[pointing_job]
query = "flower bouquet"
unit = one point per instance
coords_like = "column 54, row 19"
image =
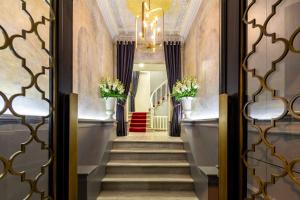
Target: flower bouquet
column 184, row 91
column 111, row 91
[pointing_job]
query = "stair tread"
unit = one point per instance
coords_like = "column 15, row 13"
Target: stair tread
column 138, row 123
column 153, row 140
column 154, row 151
column 149, row 163
column 147, row 195
column 148, row 178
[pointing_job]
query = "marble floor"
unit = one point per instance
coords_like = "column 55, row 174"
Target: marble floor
column 149, row 136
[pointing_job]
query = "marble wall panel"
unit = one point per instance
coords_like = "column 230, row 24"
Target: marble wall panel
column 202, row 57
column 92, row 57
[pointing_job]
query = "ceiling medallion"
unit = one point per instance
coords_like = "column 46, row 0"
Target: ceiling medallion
column 149, row 33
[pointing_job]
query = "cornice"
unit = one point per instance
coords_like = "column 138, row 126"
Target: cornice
column 109, row 18
column 190, row 17
column 112, row 25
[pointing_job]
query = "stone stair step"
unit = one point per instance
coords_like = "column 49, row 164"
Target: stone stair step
column 180, row 178
column 147, row 195
column 147, row 182
column 147, row 145
column 154, row 168
column 149, row 163
column 148, row 151
column 147, row 169
column 147, row 155
column 153, row 139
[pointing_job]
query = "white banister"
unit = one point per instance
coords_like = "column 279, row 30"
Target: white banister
column 154, row 98
column 160, row 123
column 158, row 96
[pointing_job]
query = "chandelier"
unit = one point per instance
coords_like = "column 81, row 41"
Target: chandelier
column 149, row 26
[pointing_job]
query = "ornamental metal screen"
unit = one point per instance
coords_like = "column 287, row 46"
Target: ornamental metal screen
column 26, row 105
column 272, row 65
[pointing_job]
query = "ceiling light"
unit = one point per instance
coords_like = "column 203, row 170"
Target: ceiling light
column 149, row 22
column 141, row 65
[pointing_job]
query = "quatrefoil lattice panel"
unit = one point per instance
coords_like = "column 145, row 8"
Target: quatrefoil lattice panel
column 26, row 106
column 272, row 66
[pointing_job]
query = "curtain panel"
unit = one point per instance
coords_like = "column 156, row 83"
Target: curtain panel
column 125, row 61
column 135, row 83
column 172, row 52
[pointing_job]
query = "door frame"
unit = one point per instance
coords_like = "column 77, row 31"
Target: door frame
column 63, row 183
column 232, row 126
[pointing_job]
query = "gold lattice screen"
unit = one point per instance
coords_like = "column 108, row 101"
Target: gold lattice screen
column 272, row 65
column 26, row 107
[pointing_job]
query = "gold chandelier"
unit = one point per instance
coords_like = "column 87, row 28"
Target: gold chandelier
column 149, row 27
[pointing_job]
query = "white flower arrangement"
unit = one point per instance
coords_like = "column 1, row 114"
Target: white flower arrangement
column 110, row 88
column 188, row 87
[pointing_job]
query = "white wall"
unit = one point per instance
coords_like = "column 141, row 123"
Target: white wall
column 142, row 99
column 162, row 110
column 148, row 82
column 156, row 78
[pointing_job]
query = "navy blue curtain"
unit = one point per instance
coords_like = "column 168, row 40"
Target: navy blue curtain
column 173, row 64
column 135, row 83
column 125, row 57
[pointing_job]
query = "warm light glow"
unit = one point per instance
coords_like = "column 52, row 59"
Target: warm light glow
column 134, row 6
column 91, row 117
column 149, row 22
column 141, row 65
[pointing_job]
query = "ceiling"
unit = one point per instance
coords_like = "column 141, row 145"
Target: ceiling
column 120, row 21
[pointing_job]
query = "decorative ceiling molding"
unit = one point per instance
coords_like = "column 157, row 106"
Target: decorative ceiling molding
column 121, row 23
column 190, row 17
column 109, row 17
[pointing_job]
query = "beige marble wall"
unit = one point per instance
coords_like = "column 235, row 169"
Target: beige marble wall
column 93, row 57
column 15, row 74
column 201, row 58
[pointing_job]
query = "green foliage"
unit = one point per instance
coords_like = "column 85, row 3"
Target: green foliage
column 188, row 87
column 109, row 88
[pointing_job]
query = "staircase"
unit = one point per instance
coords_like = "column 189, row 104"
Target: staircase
column 138, row 122
column 149, row 170
column 159, row 96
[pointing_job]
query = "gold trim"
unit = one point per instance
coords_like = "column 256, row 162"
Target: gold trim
column 242, row 135
column 73, row 124
column 263, row 130
column 33, row 129
column 223, row 150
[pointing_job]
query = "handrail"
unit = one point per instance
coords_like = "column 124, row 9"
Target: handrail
column 154, row 95
column 158, row 96
column 160, row 123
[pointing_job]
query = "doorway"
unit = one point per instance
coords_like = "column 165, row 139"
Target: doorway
column 152, row 96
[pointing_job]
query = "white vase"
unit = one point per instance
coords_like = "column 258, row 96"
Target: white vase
column 110, row 106
column 187, row 107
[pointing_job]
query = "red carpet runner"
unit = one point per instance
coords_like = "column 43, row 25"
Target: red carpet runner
column 138, row 122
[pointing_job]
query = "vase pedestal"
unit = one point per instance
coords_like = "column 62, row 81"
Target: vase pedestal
column 187, row 107
column 110, row 106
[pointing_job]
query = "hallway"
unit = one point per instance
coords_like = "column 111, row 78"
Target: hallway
column 149, row 99
column 150, row 166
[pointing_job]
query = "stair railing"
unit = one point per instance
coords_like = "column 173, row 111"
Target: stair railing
column 159, row 96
